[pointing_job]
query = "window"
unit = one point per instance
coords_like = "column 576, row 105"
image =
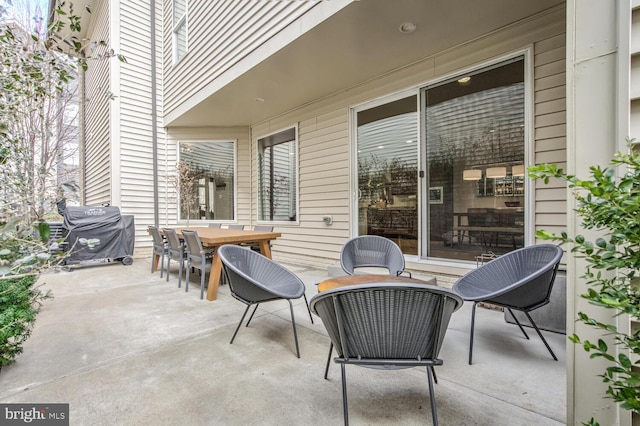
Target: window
column 179, row 29
column 206, row 172
column 460, row 192
column 278, row 177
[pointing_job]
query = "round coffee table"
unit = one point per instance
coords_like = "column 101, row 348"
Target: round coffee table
column 348, row 280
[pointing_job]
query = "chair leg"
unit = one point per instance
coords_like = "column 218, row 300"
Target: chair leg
column 326, row 369
column 180, row 273
column 345, row 410
column 202, row 277
column 306, row 302
column 473, row 317
column 541, row 336
column 161, row 264
column 433, row 371
column 518, row 322
column 186, row 283
column 239, row 324
column 168, row 266
column 295, row 333
column 251, row 317
column 432, row 397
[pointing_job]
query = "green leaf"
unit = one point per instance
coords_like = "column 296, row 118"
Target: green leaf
column 624, row 360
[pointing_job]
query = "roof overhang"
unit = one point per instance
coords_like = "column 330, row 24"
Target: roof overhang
column 358, row 43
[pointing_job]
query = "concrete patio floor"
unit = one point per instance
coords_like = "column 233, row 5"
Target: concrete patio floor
column 124, row 347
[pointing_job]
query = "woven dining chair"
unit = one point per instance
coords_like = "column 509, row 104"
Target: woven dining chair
column 256, row 246
column 254, row 279
column 388, row 326
column 372, row 251
column 520, row 280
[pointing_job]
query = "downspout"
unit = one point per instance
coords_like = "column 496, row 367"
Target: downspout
column 82, row 136
column 154, row 112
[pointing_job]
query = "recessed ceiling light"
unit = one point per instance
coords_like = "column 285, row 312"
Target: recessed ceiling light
column 464, row 80
column 259, row 99
column 407, row 27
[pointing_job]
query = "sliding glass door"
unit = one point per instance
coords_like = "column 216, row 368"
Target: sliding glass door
column 387, row 157
column 474, row 142
column 459, row 192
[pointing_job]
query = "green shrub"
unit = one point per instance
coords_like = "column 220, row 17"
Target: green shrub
column 608, row 201
column 20, row 301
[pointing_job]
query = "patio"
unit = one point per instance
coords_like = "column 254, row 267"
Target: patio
column 123, row 346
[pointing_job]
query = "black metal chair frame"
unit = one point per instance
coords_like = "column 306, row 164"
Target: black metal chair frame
column 524, row 290
column 410, row 324
column 251, row 291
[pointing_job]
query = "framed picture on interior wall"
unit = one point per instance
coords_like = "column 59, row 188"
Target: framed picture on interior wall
column 435, row 195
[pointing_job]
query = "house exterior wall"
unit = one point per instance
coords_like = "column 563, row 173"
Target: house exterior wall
column 324, row 142
column 96, row 168
column 134, row 161
column 224, row 33
column 119, row 123
column 601, row 106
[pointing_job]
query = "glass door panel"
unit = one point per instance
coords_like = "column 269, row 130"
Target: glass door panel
column 474, row 138
column 388, row 172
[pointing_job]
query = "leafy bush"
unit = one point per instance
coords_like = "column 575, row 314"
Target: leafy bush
column 609, row 201
column 20, row 301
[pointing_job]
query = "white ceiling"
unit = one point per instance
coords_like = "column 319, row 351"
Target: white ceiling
column 360, row 42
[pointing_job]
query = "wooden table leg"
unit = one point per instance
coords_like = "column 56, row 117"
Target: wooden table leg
column 265, row 249
column 156, row 260
column 214, row 277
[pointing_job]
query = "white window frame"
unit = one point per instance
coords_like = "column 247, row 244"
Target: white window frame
column 529, row 144
column 235, row 181
column 177, row 25
column 297, row 177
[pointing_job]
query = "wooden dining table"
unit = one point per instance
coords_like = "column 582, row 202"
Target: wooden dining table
column 216, row 237
column 349, row 280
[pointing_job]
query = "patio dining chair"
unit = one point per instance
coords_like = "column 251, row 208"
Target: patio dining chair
column 159, row 248
column 254, row 279
column 387, row 326
column 214, row 225
column 256, row 246
column 197, row 257
column 521, row 279
column 238, row 227
column 175, row 251
column 372, row 251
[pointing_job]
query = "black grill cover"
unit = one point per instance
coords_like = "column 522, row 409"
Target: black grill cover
column 115, row 232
